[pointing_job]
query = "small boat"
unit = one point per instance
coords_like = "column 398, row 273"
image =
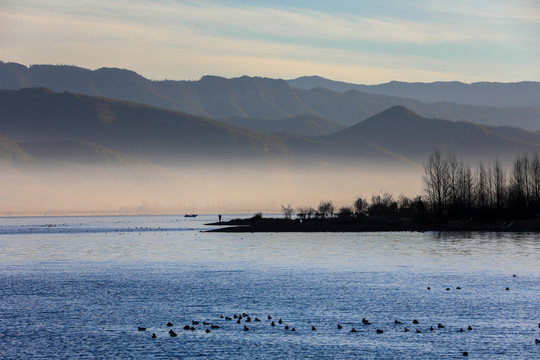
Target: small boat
column 190, row 215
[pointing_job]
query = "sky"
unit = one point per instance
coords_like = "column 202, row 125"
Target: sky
column 356, row 41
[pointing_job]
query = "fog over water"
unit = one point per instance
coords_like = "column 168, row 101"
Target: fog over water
column 197, row 188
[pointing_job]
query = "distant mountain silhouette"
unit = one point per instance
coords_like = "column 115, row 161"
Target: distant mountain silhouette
column 252, row 97
column 306, row 125
column 519, row 94
column 404, row 132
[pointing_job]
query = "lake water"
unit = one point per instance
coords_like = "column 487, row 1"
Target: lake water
column 79, row 287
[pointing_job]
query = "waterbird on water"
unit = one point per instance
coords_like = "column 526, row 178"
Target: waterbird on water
column 379, row 331
column 170, row 324
column 172, row 333
column 187, row 327
column 339, row 326
column 313, row 328
column 153, row 335
column 405, row 329
column 465, row 353
column 273, row 323
column 397, row 322
column 354, row 330
column 141, row 328
column 415, row 321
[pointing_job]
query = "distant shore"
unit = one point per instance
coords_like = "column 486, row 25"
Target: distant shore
column 368, row 225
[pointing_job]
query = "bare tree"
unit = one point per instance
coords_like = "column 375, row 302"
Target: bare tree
column 360, row 206
column 287, row 211
column 436, row 184
column 326, row 208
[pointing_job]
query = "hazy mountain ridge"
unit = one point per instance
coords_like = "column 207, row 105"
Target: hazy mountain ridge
column 518, row 94
column 48, row 126
column 400, row 130
column 249, row 97
column 36, row 115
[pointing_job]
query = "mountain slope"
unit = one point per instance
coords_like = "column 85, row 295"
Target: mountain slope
column 250, row 97
column 36, row 115
column 402, row 131
column 306, row 125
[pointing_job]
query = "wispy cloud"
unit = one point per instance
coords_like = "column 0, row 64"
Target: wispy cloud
column 146, row 33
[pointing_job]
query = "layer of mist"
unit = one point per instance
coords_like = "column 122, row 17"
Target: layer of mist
column 203, row 189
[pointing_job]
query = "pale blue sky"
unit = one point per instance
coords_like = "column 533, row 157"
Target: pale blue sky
column 355, row 41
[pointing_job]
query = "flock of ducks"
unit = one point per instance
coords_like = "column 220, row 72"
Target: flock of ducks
column 246, row 320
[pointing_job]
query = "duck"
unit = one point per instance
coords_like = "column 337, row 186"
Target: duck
column 379, row 331
column 537, row 341
column 405, row 329
column 415, row 321
column 465, row 353
column 339, row 326
column 469, row 328
column 238, row 321
column 170, row 324
column 248, row 319
column 172, row 333
column 214, row 326
column 227, row 318
column 458, row 288
column 293, row 329
column 447, row 289
column 418, row 331
column 206, row 323
column 286, row 327
column 313, row 328
column 354, row 330
column 507, row 289
column 154, row 335
column 257, row 319
column 187, row 327
column 428, row 288
column 192, row 328
column 365, row 321
column 440, row 326
column 246, row 328
column 221, row 316
column 460, row 330
column 193, row 322
column 207, row 330
column 397, row 322
column 431, row 328
column 269, row 317
column 280, row 321
column 273, row 324
column 141, row 328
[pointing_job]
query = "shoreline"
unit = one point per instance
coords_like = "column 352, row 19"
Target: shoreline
column 277, row 225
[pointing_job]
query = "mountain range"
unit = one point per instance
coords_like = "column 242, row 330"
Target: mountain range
column 519, row 94
column 38, row 124
column 274, row 99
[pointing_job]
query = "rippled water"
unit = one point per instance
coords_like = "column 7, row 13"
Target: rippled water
column 79, row 287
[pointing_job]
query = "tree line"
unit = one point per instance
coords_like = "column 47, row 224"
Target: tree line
column 453, row 190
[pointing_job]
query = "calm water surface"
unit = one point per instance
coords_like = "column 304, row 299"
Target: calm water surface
column 79, row 287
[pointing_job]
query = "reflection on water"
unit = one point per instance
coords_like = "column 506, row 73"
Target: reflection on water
column 78, row 287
